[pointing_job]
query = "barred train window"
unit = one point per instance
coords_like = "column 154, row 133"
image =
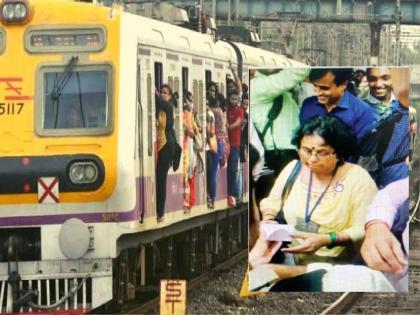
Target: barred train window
column 177, row 111
column 195, row 93
column 150, row 115
column 81, row 102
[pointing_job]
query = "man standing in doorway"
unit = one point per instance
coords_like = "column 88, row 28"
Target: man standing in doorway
column 235, row 116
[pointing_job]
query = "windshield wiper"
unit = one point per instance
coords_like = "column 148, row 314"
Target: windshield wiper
column 60, row 83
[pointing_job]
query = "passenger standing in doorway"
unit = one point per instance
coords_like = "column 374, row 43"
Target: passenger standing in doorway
column 243, row 153
column 235, row 116
column 217, row 154
column 211, row 155
column 189, row 157
column 166, row 141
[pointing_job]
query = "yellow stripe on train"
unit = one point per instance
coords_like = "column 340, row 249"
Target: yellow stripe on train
column 28, row 65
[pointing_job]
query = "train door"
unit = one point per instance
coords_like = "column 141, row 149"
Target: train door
column 140, row 139
column 201, row 115
column 146, row 130
column 197, row 77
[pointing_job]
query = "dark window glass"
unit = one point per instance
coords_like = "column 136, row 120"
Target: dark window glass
column 81, row 102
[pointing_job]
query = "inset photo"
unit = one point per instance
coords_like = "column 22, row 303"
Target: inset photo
column 330, row 152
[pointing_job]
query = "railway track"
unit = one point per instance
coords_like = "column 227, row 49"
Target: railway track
column 152, row 305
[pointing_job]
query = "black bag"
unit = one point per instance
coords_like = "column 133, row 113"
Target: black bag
column 177, row 157
column 243, row 152
column 286, row 191
column 279, row 256
column 272, row 115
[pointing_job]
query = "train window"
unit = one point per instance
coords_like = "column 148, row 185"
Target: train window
column 177, row 111
column 44, row 39
column 208, row 78
column 158, row 75
column 201, row 108
column 200, row 101
column 150, row 115
column 2, row 40
column 139, row 126
column 171, row 83
column 195, row 93
column 74, row 100
column 185, row 85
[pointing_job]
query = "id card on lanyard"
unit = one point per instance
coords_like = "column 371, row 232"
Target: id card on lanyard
column 305, row 224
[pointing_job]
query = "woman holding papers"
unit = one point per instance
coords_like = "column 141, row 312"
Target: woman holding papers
column 328, row 200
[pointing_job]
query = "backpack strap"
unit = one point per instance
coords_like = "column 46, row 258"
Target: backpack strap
column 272, row 115
column 387, row 127
column 286, row 190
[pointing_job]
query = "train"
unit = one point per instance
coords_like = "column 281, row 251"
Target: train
column 78, row 224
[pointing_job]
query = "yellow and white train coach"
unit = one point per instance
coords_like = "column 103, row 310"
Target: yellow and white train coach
column 77, row 153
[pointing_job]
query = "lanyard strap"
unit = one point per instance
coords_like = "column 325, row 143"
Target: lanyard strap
column 309, row 215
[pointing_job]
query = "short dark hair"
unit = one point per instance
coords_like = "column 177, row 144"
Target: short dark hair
column 212, row 83
column 340, row 74
column 368, row 71
column 359, row 71
column 213, row 102
column 167, row 87
column 334, row 132
column 233, row 92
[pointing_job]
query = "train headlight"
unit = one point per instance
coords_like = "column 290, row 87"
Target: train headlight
column 83, row 172
column 15, row 11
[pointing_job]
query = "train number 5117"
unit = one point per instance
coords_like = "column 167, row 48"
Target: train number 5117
column 11, row 108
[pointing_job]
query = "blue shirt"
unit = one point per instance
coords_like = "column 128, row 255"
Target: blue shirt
column 380, row 110
column 352, row 111
column 397, row 149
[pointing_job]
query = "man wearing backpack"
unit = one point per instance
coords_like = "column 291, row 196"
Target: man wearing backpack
column 380, row 97
column 389, row 140
column 275, row 116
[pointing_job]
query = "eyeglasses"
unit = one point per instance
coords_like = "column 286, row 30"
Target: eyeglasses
column 212, row 90
column 322, row 155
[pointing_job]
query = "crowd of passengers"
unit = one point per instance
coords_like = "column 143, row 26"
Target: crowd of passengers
column 225, row 141
column 329, row 152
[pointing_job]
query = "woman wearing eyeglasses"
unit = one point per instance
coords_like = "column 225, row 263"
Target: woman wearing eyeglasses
column 328, row 200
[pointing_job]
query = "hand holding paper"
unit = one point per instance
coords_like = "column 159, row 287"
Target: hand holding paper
column 277, row 232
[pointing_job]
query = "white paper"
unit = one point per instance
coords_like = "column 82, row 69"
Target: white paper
column 277, row 232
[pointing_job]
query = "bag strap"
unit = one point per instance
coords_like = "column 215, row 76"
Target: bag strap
column 287, row 188
column 386, row 135
column 272, row 115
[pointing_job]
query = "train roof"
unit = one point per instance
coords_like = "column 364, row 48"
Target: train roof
column 257, row 56
column 172, row 37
